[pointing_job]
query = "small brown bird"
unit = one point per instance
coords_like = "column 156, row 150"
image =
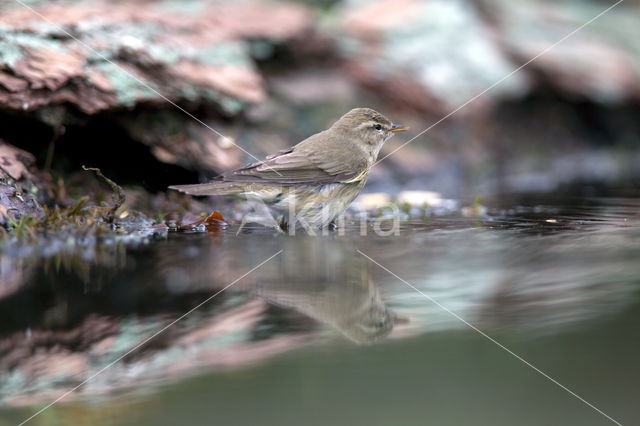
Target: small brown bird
column 313, row 182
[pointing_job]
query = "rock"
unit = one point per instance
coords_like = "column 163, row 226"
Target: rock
column 432, row 55
column 187, row 143
column 420, row 198
column 599, row 62
column 436, row 55
column 312, row 87
column 15, row 162
column 373, row 200
column 476, row 210
column 149, row 52
column 15, row 200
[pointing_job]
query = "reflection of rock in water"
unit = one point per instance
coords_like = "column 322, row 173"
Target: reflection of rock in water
column 56, row 330
column 337, row 292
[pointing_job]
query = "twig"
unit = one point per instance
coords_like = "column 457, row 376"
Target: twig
column 118, row 196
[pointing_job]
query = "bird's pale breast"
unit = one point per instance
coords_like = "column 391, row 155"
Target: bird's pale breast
column 315, row 205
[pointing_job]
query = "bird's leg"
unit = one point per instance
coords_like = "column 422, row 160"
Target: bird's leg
column 283, row 224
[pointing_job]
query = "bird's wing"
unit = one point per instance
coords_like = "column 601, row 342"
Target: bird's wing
column 298, row 165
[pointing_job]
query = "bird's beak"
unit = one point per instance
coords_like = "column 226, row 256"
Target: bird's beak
column 398, row 128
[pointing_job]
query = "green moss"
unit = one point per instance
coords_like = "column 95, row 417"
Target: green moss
column 12, row 42
column 80, row 218
column 228, row 104
column 261, row 49
column 231, row 105
column 164, row 54
column 183, row 6
column 24, row 227
column 128, row 89
column 9, row 53
column 226, row 53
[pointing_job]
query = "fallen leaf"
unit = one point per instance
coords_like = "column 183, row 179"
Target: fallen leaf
column 212, row 222
column 215, row 216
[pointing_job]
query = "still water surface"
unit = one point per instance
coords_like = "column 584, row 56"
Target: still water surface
column 321, row 335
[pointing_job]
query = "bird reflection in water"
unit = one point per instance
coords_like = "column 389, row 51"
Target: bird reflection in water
column 323, row 280
column 337, row 292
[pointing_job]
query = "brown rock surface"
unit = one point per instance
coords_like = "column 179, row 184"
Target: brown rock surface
column 61, row 53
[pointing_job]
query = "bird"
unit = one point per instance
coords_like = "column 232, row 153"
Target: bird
column 310, row 184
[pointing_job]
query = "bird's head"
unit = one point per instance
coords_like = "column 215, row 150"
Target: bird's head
column 368, row 127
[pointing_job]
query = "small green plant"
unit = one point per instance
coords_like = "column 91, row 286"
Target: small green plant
column 23, row 227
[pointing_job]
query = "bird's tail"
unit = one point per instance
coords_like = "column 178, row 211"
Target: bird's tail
column 211, row 188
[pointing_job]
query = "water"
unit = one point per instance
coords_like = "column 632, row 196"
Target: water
column 321, row 334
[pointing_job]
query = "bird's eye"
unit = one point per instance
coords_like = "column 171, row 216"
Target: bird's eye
column 377, row 127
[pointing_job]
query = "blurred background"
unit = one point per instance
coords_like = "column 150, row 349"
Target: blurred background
column 519, row 212
column 91, row 82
